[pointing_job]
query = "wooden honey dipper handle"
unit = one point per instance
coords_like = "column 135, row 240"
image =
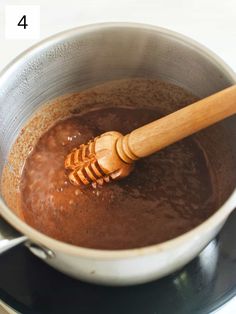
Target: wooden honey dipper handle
column 156, row 135
column 110, row 156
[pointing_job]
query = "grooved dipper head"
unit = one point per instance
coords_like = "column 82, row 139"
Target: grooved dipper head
column 97, row 161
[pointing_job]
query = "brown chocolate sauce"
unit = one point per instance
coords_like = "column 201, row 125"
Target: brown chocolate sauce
column 166, row 195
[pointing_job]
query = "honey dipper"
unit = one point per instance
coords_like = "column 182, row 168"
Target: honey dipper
column 111, row 155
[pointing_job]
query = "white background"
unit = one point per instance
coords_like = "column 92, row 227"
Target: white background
column 211, row 22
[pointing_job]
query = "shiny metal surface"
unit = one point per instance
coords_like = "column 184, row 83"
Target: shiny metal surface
column 200, row 287
column 9, row 237
column 81, row 58
column 40, row 251
column 76, row 60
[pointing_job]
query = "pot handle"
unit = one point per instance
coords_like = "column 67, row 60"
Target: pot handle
column 9, row 237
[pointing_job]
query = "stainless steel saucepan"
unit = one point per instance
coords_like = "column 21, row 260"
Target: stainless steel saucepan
column 86, row 56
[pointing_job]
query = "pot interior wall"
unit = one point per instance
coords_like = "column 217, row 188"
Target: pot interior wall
column 81, row 60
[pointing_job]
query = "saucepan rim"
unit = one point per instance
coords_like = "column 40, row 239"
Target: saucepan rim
column 219, row 216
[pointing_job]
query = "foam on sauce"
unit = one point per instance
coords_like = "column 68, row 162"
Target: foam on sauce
column 166, row 195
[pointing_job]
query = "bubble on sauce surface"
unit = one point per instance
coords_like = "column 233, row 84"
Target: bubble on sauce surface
column 167, row 194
